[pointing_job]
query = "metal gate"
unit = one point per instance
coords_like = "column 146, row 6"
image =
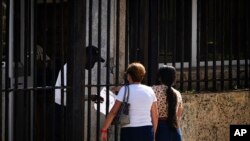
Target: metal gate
column 50, row 48
column 59, row 57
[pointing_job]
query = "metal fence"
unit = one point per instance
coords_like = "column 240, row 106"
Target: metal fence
column 207, row 41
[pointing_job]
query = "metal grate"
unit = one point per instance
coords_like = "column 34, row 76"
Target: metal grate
column 207, row 41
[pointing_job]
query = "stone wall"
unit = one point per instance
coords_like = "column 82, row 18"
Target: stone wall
column 208, row 116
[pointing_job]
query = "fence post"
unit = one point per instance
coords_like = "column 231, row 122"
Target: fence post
column 75, row 71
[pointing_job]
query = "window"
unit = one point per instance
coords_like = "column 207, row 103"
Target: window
column 205, row 30
column 223, row 31
column 175, row 30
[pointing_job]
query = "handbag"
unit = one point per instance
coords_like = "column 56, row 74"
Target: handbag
column 122, row 117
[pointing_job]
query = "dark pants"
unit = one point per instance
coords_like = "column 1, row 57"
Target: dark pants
column 165, row 133
column 143, row 133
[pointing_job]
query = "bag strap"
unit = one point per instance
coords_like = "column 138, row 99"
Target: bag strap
column 126, row 94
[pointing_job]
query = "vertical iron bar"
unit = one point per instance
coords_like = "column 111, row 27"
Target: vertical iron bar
column 117, row 53
column 54, row 41
column 226, row 43
column 247, row 52
column 117, row 40
column 222, row 29
column 190, row 55
column 188, row 39
column 246, row 44
column 18, row 96
column 27, row 60
column 108, row 52
column 8, row 119
column 219, row 38
column 35, row 80
column 84, row 30
column 53, row 63
column 161, row 30
column 1, row 72
column 134, row 32
column 63, row 134
column 84, row 16
column 206, row 34
column 137, row 40
column 44, row 69
column 1, row 42
column 182, row 40
column 167, row 47
column 165, row 29
column 32, row 46
column 127, row 41
column 230, row 16
column 99, row 68
column 153, row 45
column 239, row 44
column 199, row 3
column 215, row 45
column 89, row 72
column 174, row 47
column 129, row 28
column 76, row 70
column 190, row 73
column 7, row 79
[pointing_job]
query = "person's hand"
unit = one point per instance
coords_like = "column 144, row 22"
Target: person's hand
column 104, row 135
column 96, row 98
column 115, row 90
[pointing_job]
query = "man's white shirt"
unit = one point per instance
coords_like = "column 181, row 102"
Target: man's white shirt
column 59, row 84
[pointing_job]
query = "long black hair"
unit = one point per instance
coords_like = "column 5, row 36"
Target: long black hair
column 167, row 76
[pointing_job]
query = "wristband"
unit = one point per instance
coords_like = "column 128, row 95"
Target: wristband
column 104, row 131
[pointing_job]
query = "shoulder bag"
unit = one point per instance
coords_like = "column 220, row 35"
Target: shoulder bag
column 122, row 117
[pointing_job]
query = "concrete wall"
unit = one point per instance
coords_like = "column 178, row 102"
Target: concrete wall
column 208, row 116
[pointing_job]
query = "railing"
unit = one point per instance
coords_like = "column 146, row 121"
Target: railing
column 207, row 42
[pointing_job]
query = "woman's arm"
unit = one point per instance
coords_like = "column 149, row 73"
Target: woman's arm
column 109, row 120
column 179, row 108
column 154, row 116
column 179, row 111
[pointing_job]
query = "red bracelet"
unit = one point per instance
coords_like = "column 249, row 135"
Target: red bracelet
column 104, row 131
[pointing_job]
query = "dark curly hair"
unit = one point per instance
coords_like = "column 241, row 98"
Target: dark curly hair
column 167, row 76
